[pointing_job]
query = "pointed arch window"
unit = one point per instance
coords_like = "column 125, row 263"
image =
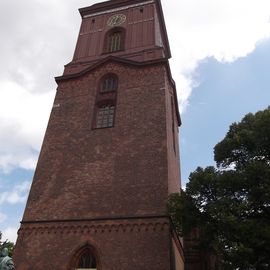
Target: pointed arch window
column 114, row 40
column 108, row 84
column 104, row 112
column 85, row 260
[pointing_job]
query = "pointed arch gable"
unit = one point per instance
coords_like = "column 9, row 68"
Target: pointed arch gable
column 85, row 257
column 111, row 58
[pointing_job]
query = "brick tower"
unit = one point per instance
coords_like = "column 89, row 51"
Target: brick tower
column 110, row 153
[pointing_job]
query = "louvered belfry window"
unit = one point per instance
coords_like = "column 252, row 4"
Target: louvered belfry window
column 114, row 41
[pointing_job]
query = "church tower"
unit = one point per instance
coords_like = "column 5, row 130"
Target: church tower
column 110, row 154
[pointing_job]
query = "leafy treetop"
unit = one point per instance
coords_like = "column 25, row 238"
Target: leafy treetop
column 230, row 204
column 6, row 244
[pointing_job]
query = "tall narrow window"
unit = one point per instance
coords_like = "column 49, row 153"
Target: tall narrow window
column 114, row 40
column 105, row 116
column 104, row 112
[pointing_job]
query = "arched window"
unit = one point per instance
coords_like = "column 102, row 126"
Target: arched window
column 108, row 84
column 104, row 112
column 114, row 43
column 85, row 259
column 114, row 40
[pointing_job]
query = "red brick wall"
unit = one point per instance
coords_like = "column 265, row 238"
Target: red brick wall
column 143, row 36
column 104, row 173
column 110, row 180
column 119, row 245
column 119, row 171
column 142, row 33
column 174, row 179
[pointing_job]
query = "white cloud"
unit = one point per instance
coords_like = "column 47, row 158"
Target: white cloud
column 223, row 29
column 40, row 37
column 18, row 194
column 10, row 234
column 23, row 119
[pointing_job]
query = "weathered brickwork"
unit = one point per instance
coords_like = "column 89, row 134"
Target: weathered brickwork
column 106, row 189
column 119, row 171
column 119, row 244
column 104, row 173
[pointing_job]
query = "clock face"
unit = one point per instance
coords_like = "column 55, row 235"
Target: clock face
column 116, row 20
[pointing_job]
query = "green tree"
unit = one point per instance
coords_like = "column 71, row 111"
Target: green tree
column 230, row 204
column 6, row 244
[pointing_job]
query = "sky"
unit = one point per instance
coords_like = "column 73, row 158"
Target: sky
column 220, row 62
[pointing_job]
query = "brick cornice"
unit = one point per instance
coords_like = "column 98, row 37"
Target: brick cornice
column 108, row 59
column 95, row 219
column 90, row 227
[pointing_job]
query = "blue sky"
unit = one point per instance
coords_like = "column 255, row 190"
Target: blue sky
column 220, row 62
column 226, row 92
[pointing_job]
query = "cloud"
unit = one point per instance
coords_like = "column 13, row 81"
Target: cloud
column 23, row 119
column 18, row 194
column 10, row 234
column 40, row 38
column 223, row 29
column 33, row 34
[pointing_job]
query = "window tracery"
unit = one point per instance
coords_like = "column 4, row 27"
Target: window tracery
column 114, row 40
column 85, row 259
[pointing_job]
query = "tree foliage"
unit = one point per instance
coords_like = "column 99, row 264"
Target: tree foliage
column 230, row 204
column 6, row 244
